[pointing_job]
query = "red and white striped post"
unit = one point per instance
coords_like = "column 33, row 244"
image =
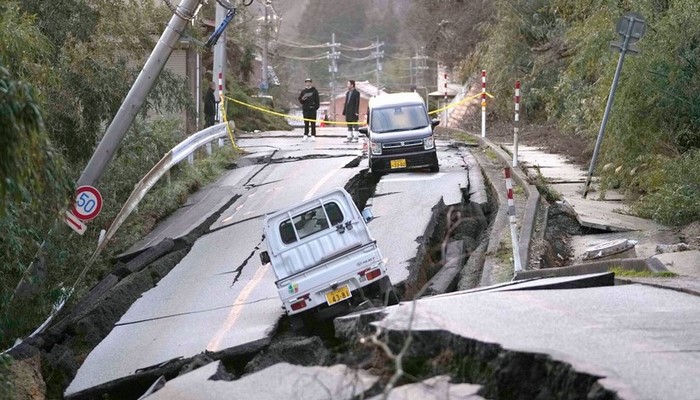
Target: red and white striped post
column 445, row 85
column 513, row 223
column 483, row 103
column 221, row 110
column 517, row 124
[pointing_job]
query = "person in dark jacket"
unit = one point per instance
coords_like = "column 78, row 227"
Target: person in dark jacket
column 309, row 103
column 351, row 110
column 209, row 106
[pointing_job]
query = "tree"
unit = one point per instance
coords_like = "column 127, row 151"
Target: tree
column 448, row 30
column 29, row 166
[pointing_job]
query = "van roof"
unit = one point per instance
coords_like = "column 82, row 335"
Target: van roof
column 391, row 99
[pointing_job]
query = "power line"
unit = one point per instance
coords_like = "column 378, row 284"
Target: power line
column 300, row 45
column 321, row 56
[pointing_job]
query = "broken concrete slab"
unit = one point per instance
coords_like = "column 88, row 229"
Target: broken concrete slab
column 609, row 216
column 445, row 279
column 280, row 381
column 297, row 350
column 436, row 388
column 681, row 262
column 615, row 339
column 594, row 267
column 186, row 219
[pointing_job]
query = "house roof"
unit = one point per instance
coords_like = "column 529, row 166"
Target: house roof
column 365, row 88
column 452, row 90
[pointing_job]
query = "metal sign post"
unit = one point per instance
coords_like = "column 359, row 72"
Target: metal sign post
column 631, row 28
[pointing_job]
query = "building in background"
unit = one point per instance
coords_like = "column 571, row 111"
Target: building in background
column 367, row 91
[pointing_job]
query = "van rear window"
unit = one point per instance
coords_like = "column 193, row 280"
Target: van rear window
column 310, row 222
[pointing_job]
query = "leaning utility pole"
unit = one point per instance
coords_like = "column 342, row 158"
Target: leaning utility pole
column 219, row 67
column 137, row 95
column 266, row 44
column 131, row 106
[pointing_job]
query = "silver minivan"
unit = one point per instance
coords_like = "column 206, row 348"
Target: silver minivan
column 400, row 133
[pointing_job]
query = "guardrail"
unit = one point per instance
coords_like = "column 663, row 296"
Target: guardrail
column 178, row 153
column 171, row 158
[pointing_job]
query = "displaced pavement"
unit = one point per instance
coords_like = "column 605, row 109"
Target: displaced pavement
column 547, row 337
column 603, row 212
column 636, row 341
column 219, row 298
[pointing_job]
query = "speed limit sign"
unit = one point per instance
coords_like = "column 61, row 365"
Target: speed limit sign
column 88, row 203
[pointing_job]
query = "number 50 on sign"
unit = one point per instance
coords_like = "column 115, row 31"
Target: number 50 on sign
column 88, row 203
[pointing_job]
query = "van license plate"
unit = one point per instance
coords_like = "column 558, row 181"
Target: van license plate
column 338, row 295
column 400, row 163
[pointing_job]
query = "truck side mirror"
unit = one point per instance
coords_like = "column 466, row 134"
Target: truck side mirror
column 264, row 257
column 363, row 130
column 367, row 214
column 435, row 123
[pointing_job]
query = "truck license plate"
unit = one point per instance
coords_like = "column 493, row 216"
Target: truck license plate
column 338, row 295
column 400, row 163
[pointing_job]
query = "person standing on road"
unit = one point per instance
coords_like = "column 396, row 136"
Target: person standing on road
column 309, row 104
column 351, row 110
column 209, row 106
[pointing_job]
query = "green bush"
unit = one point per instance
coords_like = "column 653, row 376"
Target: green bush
column 672, row 194
column 249, row 119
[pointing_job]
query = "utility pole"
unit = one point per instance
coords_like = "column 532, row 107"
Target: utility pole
column 377, row 55
column 333, row 56
column 266, row 38
column 420, row 65
column 219, row 66
column 134, row 100
column 104, row 153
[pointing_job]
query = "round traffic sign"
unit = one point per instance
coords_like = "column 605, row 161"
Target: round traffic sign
column 88, row 203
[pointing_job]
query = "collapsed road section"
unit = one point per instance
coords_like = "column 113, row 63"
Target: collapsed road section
column 412, row 210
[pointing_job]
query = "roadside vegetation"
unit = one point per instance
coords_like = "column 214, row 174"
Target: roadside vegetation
column 560, row 52
column 626, row 273
column 62, row 79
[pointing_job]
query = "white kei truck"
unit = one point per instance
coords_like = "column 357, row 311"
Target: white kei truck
column 324, row 258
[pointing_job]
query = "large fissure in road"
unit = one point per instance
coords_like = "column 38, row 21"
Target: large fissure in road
column 457, row 226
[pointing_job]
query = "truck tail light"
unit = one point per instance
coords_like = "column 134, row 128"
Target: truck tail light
column 370, row 274
column 299, row 303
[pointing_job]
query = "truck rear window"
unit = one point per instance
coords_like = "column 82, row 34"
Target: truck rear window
column 310, row 222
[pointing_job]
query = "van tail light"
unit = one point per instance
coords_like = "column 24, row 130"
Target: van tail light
column 299, row 303
column 370, row 274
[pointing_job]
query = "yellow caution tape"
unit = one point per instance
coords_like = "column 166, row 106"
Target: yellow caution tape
column 447, row 107
column 344, row 122
column 291, row 116
column 228, row 127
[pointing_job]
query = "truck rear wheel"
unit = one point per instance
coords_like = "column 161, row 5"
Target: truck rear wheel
column 296, row 323
column 389, row 295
